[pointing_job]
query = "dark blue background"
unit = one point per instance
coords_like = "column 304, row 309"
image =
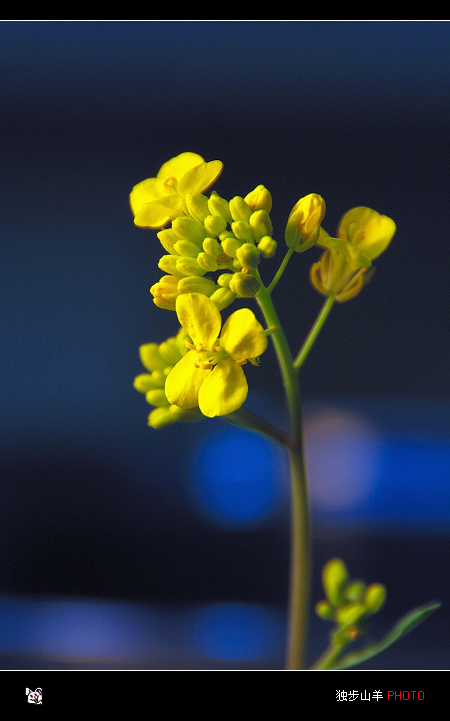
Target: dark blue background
column 94, row 503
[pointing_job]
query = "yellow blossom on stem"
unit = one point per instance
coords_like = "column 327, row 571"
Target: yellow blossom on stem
column 210, row 375
column 343, row 269
column 156, row 201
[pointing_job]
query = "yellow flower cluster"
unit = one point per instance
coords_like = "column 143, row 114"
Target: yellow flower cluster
column 207, row 236
column 213, row 249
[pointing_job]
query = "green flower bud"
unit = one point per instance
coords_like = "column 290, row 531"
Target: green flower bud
column 259, row 199
column 334, row 577
column 222, row 297
column 224, row 279
column 160, row 417
column 151, row 357
column 145, row 382
column 324, row 610
column 197, row 206
column 214, row 224
column 242, row 231
column 189, row 266
column 157, row 398
column 354, row 591
column 170, row 351
column 248, row 255
column 260, row 224
column 374, row 597
column 189, row 229
column 351, row 613
column 219, row 206
column 207, row 262
column 196, row 284
column 186, row 248
column 167, row 239
column 230, row 246
column 239, row 209
column 168, row 263
column 267, row 247
column 212, row 247
column 244, row 285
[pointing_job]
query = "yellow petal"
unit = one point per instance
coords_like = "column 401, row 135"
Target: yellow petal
column 199, row 317
column 224, row 390
column 243, row 336
column 179, row 165
column 199, row 178
column 145, row 192
column 368, row 230
column 157, row 213
column 184, row 381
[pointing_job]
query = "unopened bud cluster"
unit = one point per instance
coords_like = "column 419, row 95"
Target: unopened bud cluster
column 219, row 237
column 159, row 359
column 348, row 603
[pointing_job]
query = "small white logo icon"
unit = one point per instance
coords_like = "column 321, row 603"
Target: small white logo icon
column 34, row 696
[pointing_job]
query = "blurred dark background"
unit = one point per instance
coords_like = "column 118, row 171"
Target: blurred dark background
column 97, row 507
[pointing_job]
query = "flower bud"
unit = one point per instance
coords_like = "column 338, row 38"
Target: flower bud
column 222, row 297
column 239, row 209
column 260, row 224
column 207, row 262
column 242, row 231
column 351, row 613
column 186, row 248
column 189, row 266
column 324, row 610
column 196, row 284
column 197, row 206
column 214, row 225
column 267, row 246
column 248, row 255
column 167, row 238
column 259, row 199
column 165, row 292
column 244, row 285
column 374, row 597
column 303, row 226
column 189, row 229
column 212, row 247
column 334, row 577
column 230, row 246
column 219, row 206
column 168, row 263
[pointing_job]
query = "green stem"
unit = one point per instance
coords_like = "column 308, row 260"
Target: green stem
column 251, row 422
column 280, row 271
column 300, row 561
column 313, row 333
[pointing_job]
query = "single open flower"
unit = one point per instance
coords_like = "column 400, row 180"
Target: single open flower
column 210, row 375
column 156, row 201
column 365, row 230
column 363, row 234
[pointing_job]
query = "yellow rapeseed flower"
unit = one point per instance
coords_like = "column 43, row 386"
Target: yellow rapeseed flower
column 343, row 269
column 156, row 201
column 210, row 375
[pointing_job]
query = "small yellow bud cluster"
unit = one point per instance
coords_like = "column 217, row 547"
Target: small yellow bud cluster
column 348, row 603
column 159, row 359
column 215, row 236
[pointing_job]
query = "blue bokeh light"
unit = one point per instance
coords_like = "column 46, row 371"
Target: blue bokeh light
column 237, row 479
column 237, row 632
